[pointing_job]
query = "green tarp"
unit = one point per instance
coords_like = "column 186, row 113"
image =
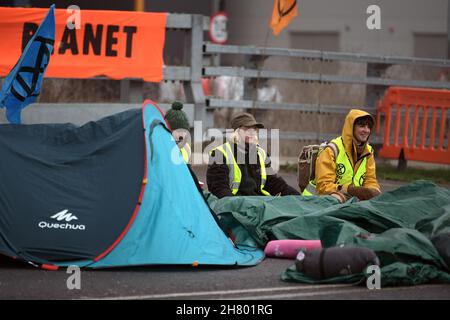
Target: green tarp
column 398, row 226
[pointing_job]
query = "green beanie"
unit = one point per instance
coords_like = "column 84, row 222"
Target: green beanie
column 176, row 117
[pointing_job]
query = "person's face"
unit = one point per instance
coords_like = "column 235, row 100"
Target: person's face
column 361, row 132
column 248, row 135
column 180, row 136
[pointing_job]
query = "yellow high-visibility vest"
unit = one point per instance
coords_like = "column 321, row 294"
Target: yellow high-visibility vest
column 186, row 152
column 344, row 169
column 235, row 175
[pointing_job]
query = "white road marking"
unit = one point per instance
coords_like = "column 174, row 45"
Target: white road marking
column 338, row 292
column 223, row 292
column 316, row 291
column 303, row 294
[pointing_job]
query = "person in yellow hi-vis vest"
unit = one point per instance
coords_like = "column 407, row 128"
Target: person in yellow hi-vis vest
column 241, row 167
column 179, row 124
column 346, row 166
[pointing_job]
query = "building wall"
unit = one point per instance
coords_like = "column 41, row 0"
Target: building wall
column 400, row 20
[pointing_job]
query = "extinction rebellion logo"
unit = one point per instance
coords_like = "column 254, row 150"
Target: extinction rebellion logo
column 62, row 216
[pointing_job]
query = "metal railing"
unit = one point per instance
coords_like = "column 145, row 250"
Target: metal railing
column 375, row 81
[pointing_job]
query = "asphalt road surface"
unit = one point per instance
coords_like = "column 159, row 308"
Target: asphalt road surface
column 261, row 282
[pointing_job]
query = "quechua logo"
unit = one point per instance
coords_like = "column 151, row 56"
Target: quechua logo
column 62, row 219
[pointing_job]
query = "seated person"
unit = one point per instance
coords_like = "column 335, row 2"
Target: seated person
column 241, row 167
column 179, row 125
column 346, row 167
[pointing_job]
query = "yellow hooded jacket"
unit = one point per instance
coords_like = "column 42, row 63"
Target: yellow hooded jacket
column 326, row 162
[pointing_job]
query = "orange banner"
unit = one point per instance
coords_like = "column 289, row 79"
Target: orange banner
column 282, row 14
column 116, row 44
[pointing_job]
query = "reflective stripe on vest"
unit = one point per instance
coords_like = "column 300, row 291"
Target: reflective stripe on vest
column 235, row 175
column 262, row 165
column 186, row 152
column 310, row 189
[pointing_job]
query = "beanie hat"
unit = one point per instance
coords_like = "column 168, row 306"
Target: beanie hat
column 176, row 117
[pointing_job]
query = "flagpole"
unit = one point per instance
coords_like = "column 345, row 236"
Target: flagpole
column 282, row 13
column 258, row 74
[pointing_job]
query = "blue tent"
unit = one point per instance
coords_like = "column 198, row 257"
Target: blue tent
column 106, row 194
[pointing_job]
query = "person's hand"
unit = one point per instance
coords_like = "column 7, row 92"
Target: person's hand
column 248, row 135
column 339, row 196
column 362, row 193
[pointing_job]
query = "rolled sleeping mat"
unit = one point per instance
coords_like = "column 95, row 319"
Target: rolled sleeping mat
column 289, row 248
column 335, row 261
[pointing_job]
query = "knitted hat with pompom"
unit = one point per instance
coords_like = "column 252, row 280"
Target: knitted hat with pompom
column 176, row 117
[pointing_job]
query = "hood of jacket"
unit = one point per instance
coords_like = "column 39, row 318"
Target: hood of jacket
column 347, row 133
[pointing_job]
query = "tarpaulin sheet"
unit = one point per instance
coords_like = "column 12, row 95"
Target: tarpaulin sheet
column 399, row 226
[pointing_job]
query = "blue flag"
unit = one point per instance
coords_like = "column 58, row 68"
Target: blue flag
column 23, row 84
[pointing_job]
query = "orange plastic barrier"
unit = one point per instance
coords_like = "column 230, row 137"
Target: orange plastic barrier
column 415, row 121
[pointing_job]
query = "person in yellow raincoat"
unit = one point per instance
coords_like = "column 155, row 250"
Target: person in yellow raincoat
column 346, row 167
